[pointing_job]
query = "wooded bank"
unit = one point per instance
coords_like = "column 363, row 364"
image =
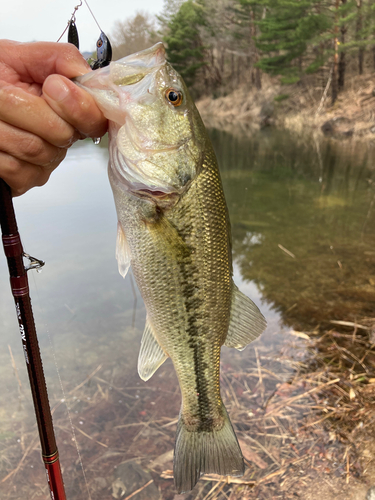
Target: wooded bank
column 218, row 45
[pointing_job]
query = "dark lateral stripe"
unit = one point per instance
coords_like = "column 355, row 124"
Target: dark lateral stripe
column 193, row 304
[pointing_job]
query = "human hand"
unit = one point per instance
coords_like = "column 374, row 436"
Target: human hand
column 42, row 113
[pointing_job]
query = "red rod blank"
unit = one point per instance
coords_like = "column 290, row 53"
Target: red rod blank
column 20, row 290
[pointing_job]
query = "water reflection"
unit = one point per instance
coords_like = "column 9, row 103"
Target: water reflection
column 302, row 217
column 302, row 224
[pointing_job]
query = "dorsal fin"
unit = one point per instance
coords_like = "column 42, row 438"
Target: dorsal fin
column 151, row 355
column 246, row 321
column 122, row 251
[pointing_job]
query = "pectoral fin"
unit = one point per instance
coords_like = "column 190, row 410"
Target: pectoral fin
column 151, row 355
column 246, row 321
column 122, row 251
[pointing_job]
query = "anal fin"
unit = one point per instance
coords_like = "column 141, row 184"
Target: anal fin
column 246, row 321
column 122, row 251
column 151, row 355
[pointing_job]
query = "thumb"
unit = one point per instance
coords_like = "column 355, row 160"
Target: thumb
column 74, row 105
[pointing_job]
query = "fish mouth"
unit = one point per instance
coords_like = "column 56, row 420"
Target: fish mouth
column 160, row 198
column 134, row 68
column 140, row 170
column 149, row 58
column 126, row 71
column 132, row 179
column 107, row 84
column 157, row 195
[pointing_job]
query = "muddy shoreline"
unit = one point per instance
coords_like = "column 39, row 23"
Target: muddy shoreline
column 299, row 108
column 302, row 409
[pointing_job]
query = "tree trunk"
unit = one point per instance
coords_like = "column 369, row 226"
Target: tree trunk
column 232, row 71
column 222, row 60
column 256, row 76
column 341, row 70
column 358, row 28
column 216, row 71
column 335, row 56
column 361, row 55
column 342, row 62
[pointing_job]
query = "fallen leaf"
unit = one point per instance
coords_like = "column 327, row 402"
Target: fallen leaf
column 301, row 335
column 162, row 459
column 284, row 390
column 251, row 456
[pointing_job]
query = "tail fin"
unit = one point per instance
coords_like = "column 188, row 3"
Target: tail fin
column 196, row 453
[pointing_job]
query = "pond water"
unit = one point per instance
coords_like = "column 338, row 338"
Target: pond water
column 302, row 216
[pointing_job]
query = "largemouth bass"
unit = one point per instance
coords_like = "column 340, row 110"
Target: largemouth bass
column 174, row 230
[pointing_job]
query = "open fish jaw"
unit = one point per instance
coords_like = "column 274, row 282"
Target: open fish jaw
column 157, row 144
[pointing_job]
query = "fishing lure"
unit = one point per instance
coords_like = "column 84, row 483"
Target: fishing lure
column 73, row 33
column 72, row 28
column 103, row 52
column 103, row 45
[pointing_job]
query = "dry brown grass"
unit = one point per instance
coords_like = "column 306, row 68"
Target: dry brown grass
column 301, row 403
column 302, row 111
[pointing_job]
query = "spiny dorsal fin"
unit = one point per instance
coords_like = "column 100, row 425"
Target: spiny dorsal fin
column 246, row 321
column 122, row 251
column 151, row 355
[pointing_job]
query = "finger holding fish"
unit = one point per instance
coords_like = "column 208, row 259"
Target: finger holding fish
column 22, row 176
column 36, row 129
column 32, row 114
column 27, row 158
column 33, row 139
column 27, row 65
column 74, row 106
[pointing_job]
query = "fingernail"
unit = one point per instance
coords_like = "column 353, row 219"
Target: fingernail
column 55, row 88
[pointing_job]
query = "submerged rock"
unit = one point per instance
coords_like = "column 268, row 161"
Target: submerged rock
column 371, row 493
column 339, row 127
column 266, row 114
column 130, row 477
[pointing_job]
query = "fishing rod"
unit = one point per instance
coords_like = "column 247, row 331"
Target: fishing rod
column 20, row 289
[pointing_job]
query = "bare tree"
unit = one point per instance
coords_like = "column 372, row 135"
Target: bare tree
column 342, row 61
column 134, row 34
column 334, row 86
column 358, row 36
column 170, row 9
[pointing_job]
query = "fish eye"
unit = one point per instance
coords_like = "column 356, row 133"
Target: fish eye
column 99, row 43
column 174, row 96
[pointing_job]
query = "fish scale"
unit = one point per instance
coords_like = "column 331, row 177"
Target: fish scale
column 174, row 231
column 197, row 286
